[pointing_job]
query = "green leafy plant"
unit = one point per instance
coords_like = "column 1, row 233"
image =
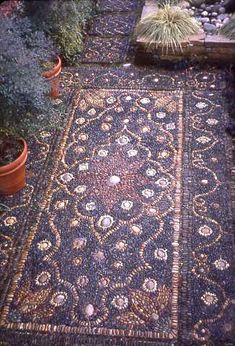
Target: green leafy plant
column 64, row 21
column 228, row 29
column 25, row 105
column 167, row 28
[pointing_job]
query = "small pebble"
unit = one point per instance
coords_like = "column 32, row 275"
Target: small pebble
column 221, row 10
column 214, row 14
column 89, row 310
column 222, row 16
column 216, row 8
column 226, row 20
column 204, row 13
column 209, row 27
column 204, row 20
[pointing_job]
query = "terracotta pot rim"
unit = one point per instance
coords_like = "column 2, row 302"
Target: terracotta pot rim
column 51, row 73
column 19, row 161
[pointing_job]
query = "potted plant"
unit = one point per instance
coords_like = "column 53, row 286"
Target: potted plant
column 64, row 21
column 25, row 104
column 52, row 70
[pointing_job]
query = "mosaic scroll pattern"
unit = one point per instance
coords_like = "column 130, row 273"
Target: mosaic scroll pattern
column 104, row 252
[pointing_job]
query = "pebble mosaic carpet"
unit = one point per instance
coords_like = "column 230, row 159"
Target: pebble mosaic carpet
column 124, row 233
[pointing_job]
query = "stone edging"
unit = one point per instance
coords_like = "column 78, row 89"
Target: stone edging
column 199, row 46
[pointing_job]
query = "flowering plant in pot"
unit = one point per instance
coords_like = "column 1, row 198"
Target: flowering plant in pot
column 25, row 104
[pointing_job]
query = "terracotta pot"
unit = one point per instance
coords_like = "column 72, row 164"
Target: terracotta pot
column 53, row 76
column 12, row 175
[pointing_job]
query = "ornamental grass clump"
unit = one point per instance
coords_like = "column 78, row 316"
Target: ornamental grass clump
column 167, row 27
column 228, row 30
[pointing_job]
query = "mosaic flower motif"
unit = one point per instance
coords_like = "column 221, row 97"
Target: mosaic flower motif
column 209, row 298
column 118, row 264
column 74, row 223
column 120, row 302
column 151, row 211
column 136, row 229
column 160, row 254
column 145, row 129
column 221, row 264
column 123, row 140
column 160, row 115
column 80, row 121
column 79, row 243
column 170, row 126
column 66, row 177
column 205, row 231
column 111, row 100
column 10, row 221
column 151, row 172
column 145, row 100
column 156, row 80
column 61, row 204
column 77, row 261
column 80, row 189
column 83, row 136
column 79, row 150
column 212, row 121
column 90, row 206
column 121, row 245
column 92, row 112
column 43, row 278
column 163, row 154
column 104, row 282
column 89, row 310
column 83, row 166
column 162, row 182
column 105, row 221
column 45, row 134
column 150, row 285
column 59, row 298
column 103, row 153
column 132, row 152
column 118, row 109
column 82, row 281
column 201, row 105
column 127, row 205
column 44, row 245
column 109, row 118
column 105, row 127
column 128, row 98
column 203, row 139
column 99, row 256
column 148, row 193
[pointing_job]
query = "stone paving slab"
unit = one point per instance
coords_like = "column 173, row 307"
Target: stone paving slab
column 113, row 25
column 105, row 50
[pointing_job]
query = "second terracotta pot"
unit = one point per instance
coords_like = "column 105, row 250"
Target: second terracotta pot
column 53, row 76
column 12, row 175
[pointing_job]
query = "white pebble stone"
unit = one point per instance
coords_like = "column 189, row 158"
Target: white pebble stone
column 89, row 310
column 114, row 179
